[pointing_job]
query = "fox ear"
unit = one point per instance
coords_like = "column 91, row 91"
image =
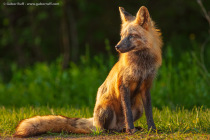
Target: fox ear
column 125, row 16
column 143, row 17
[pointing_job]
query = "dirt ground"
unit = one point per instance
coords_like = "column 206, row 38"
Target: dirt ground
column 114, row 137
column 124, row 136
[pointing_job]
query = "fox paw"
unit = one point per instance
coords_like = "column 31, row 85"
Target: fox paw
column 131, row 131
column 138, row 128
column 152, row 129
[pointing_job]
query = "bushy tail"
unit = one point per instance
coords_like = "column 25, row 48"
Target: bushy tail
column 51, row 123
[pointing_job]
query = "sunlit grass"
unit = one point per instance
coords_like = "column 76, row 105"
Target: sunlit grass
column 179, row 123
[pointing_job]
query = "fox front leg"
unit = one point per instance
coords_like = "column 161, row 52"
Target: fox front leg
column 126, row 105
column 146, row 97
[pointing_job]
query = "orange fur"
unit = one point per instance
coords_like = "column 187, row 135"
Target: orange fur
column 124, row 94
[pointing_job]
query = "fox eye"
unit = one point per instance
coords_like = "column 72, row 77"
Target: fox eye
column 130, row 36
column 135, row 35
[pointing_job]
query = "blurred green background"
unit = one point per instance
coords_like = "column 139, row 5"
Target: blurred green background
column 59, row 55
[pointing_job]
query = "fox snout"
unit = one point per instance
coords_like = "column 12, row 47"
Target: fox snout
column 124, row 45
column 117, row 47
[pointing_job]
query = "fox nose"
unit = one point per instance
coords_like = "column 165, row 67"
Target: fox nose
column 117, row 46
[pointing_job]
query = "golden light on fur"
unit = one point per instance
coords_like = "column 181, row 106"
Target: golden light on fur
column 41, row 124
column 125, row 93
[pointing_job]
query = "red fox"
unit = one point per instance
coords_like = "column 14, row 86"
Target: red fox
column 125, row 93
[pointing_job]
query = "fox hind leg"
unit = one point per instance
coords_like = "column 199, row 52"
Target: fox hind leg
column 104, row 117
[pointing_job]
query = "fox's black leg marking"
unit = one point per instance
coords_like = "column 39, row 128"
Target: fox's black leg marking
column 126, row 104
column 146, row 97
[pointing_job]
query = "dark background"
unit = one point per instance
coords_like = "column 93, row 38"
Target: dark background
column 43, row 34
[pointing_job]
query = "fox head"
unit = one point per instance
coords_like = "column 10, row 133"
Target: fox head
column 137, row 32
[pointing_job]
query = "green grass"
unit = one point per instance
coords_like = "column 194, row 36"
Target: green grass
column 176, row 124
column 179, row 82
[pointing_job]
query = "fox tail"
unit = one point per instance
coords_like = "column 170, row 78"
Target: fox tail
column 42, row 124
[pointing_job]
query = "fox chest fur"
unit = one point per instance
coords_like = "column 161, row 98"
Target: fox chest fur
column 137, row 66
